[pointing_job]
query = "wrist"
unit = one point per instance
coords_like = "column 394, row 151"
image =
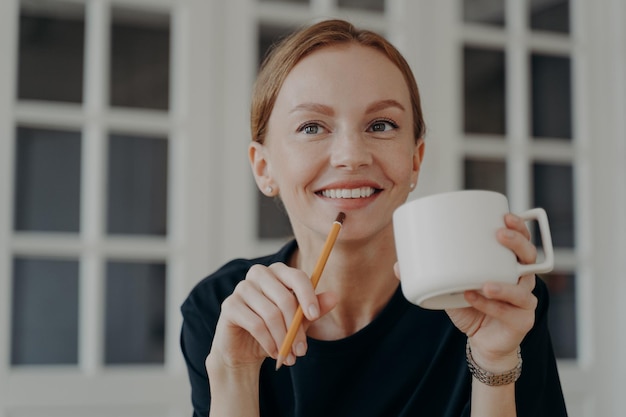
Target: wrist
column 219, row 369
column 234, row 390
column 494, row 371
column 493, row 361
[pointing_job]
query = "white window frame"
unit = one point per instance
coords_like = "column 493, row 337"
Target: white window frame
column 91, row 388
column 212, row 216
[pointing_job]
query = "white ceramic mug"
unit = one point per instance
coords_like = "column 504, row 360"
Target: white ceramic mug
column 446, row 244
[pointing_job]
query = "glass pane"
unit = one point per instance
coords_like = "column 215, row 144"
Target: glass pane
column 47, row 180
column 550, row 15
column 562, row 313
column 551, row 96
column 269, row 35
column 140, row 59
column 137, row 185
column 554, row 191
column 286, row 1
column 44, row 325
column 371, row 5
column 272, row 218
column 484, row 91
column 51, row 45
column 135, row 313
column 490, row 12
column 485, row 175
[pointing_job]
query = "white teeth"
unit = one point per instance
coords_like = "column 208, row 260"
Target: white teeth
column 349, row 193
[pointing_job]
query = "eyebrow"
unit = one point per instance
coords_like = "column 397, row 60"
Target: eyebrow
column 314, row 107
column 324, row 109
column 384, row 104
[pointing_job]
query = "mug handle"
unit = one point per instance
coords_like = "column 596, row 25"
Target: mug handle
column 547, row 265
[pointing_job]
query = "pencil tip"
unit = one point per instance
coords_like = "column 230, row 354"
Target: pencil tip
column 279, row 362
column 340, row 217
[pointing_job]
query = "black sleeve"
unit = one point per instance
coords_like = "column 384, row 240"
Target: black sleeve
column 201, row 311
column 538, row 391
column 195, row 343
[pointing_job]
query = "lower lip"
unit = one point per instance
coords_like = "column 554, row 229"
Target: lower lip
column 352, row 203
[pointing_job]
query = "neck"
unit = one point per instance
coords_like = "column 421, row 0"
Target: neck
column 360, row 274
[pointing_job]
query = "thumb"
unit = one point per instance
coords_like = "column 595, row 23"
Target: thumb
column 327, row 301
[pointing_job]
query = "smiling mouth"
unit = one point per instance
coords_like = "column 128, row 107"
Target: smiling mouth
column 361, row 192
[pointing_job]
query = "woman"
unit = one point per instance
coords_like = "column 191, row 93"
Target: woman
column 337, row 127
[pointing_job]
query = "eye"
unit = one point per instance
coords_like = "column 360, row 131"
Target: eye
column 311, row 128
column 382, row 126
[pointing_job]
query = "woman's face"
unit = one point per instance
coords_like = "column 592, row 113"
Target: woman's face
column 340, row 138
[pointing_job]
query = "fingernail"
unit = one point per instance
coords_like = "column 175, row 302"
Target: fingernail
column 300, row 349
column 290, row 360
column 313, row 311
column 471, row 295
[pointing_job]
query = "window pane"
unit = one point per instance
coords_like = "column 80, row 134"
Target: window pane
column 485, row 175
column 371, row 5
column 484, row 91
column 137, row 185
column 140, row 59
column 562, row 313
column 489, row 12
column 554, row 191
column 272, row 218
column 550, row 15
column 286, row 1
column 47, row 180
column 44, row 325
column 269, row 35
column 135, row 313
column 51, row 44
column 551, row 96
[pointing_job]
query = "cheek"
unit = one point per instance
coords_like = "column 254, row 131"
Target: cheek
column 295, row 169
column 399, row 165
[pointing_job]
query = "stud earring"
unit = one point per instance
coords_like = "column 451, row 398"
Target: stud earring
column 269, row 189
column 412, row 185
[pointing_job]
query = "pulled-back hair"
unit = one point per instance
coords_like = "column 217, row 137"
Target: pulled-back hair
column 287, row 53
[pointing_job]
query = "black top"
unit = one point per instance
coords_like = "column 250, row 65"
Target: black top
column 407, row 362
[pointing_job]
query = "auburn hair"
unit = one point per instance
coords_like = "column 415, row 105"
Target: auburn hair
column 283, row 56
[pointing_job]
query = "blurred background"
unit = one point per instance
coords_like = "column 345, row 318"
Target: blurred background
column 124, row 177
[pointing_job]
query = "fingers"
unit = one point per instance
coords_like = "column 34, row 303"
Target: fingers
column 270, row 297
column 516, row 237
column 519, row 296
column 528, row 282
column 517, row 223
column 298, row 282
column 239, row 314
column 513, row 305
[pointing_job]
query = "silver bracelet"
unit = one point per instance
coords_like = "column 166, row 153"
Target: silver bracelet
column 489, row 378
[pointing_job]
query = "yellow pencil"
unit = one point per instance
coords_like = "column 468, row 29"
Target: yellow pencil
column 315, row 277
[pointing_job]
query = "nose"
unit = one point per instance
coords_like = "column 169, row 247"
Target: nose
column 350, row 151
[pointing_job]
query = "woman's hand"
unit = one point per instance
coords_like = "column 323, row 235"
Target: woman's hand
column 255, row 318
column 501, row 314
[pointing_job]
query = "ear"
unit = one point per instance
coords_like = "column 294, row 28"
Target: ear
column 257, row 154
column 418, row 157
